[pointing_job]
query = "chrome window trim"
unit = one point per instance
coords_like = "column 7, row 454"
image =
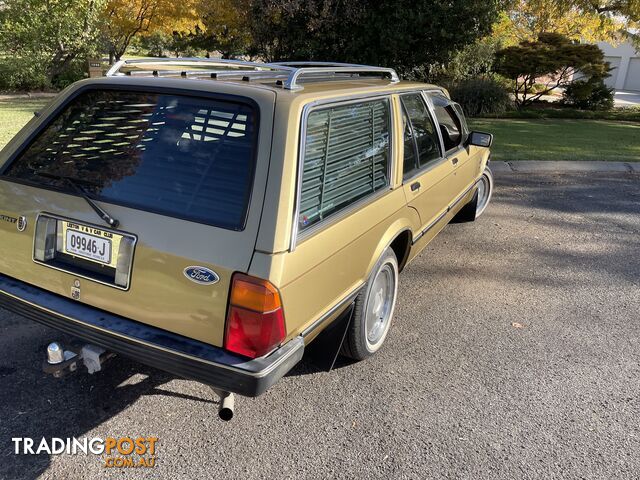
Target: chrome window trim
column 342, row 213
column 463, row 119
column 434, row 119
column 463, row 122
column 443, row 157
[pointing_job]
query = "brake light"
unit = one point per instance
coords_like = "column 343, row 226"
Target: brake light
column 255, row 320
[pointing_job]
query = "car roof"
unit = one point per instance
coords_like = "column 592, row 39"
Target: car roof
column 310, row 91
column 290, row 81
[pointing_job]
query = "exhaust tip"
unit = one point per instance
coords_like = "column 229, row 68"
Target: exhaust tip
column 227, row 406
column 225, row 414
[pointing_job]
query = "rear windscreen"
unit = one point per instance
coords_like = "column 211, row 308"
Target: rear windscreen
column 183, row 156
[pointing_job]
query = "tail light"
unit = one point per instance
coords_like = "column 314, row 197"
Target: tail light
column 255, row 320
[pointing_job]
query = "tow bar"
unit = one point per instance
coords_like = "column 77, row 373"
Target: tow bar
column 61, row 362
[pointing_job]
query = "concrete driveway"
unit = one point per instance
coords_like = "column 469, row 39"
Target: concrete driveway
column 515, row 353
column 624, row 98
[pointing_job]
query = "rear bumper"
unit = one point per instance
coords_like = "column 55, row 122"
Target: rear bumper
column 152, row 346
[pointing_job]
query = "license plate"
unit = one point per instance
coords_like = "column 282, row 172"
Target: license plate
column 89, row 243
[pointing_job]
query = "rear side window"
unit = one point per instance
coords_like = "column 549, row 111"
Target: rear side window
column 182, row 156
column 346, row 157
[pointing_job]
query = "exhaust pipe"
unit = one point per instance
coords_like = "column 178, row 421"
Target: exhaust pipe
column 226, row 407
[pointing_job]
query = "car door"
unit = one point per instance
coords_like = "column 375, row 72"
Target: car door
column 426, row 172
column 454, row 133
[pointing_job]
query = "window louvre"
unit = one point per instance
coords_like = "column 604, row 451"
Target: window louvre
column 346, row 157
column 183, row 156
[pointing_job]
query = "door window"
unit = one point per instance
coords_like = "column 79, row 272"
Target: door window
column 453, row 133
column 421, row 142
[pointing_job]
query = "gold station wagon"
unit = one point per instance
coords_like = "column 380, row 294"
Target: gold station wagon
column 213, row 218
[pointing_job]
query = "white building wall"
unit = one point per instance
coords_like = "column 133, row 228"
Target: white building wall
column 621, row 57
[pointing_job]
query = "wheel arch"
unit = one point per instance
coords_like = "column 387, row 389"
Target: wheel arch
column 398, row 236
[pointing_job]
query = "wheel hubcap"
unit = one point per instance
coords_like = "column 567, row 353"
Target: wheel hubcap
column 483, row 194
column 380, row 304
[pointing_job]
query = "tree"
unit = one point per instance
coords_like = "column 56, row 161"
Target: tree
column 622, row 8
column 54, row 33
column 124, row 19
column 225, row 26
column 553, row 56
column 404, row 34
column 473, row 61
column 585, row 20
column 154, row 44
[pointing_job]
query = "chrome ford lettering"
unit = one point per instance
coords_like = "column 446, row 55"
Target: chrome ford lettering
column 201, row 275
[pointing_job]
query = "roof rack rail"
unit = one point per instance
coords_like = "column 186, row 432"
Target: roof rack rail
column 287, row 74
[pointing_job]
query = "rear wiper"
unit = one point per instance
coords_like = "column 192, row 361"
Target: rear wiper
column 75, row 184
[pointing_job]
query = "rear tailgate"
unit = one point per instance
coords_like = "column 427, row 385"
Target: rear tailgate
column 183, row 173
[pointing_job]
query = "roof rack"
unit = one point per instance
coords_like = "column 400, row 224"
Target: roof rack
column 286, row 74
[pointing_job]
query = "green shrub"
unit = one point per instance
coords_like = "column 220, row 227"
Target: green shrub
column 22, row 74
column 589, row 95
column 480, row 97
column 473, row 61
column 76, row 70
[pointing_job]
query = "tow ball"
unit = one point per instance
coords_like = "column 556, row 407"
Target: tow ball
column 61, row 361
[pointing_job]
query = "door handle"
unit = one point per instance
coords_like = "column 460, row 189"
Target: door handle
column 415, row 186
column 454, row 161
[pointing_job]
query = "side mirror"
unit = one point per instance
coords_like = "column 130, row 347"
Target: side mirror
column 480, row 139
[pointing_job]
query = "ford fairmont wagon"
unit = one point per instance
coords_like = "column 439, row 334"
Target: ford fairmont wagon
column 214, row 218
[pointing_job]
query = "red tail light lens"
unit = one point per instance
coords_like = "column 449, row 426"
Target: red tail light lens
column 255, row 321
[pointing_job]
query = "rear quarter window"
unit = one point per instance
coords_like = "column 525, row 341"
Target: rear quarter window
column 183, row 156
column 346, row 157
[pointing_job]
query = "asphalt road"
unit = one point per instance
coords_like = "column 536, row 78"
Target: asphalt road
column 515, row 353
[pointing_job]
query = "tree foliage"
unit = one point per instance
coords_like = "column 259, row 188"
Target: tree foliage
column 124, row 19
column 225, row 26
column 552, row 56
column 53, row 33
column 404, row 34
column 585, row 20
column 472, row 61
column 622, row 8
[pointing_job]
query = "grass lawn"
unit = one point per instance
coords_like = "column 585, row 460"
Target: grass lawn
column 559, row 139
column 14, row 114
